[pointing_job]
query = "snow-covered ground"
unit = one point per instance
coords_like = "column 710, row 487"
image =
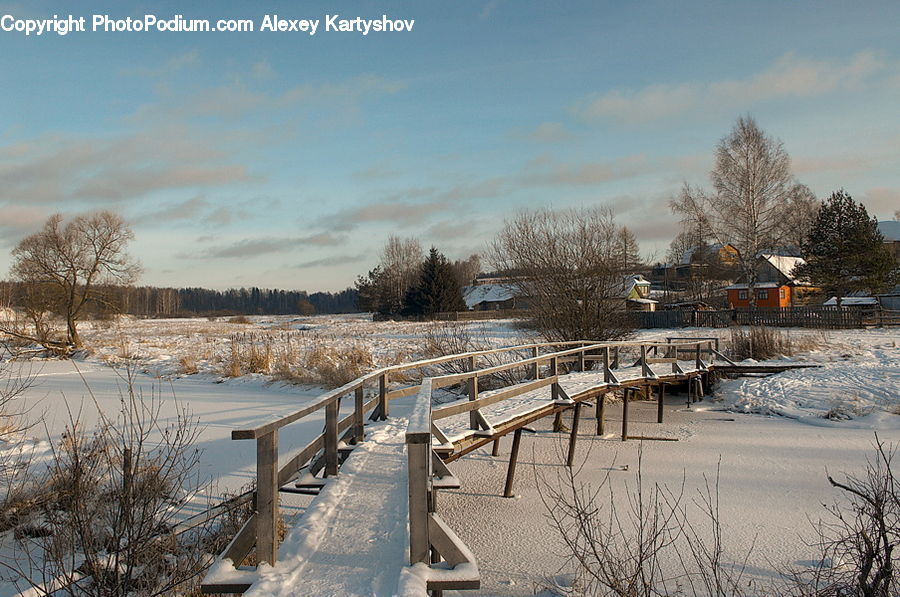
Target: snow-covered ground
column 771, row 433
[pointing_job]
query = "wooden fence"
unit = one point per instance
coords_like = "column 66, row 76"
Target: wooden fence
column 819, row 316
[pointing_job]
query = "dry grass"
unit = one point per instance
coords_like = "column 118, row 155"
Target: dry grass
column 240, row 319
column 325, row 365
column 761, row 342
column 188, row 365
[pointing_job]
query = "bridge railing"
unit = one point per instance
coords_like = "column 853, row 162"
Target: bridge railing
column 430, row 540
column 372, row 394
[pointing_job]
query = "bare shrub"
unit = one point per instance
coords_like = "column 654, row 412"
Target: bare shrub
column 857, row 542
column 239, row 319
column 188, row 365
column 116, row 494
column 644, row 545
column 568, row 264
column 762, row 342
column 450, row 337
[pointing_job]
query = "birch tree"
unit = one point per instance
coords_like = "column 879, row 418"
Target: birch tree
column 752, row 186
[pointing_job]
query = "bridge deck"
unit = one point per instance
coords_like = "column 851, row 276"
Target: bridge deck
column 353, row 539
column 574, row 384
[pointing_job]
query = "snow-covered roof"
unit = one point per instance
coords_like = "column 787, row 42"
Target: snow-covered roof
column 784, row 264
column 643, row 301
column 757, row 285
column 487, row 293
column 850, row 301
column 890, row 230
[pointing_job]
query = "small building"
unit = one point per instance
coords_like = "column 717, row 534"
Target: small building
column 776, row 286
column 636, row 292
column 490, row 297
column 853, row 301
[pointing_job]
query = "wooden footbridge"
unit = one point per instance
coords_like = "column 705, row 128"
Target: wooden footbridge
column 375, row 485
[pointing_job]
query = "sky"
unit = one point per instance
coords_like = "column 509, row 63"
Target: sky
column 285, row 160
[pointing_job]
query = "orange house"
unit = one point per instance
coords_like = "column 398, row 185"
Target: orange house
column 768, row 294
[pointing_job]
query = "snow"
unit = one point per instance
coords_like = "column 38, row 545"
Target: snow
column 785, row 265
column 775, row 436
column 852, row 301
column 487, row 293
column 353, row 539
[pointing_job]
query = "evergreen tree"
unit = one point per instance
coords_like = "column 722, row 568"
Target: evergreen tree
column 844, row 251
column 437, row 290
column 627, row 251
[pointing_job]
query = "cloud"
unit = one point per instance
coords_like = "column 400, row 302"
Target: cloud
column 788, row 77
column 237, row 100
column 586, row 173
column 378, row 170
column 263, row 70
column 59, row 168
column 331, row 261
column 263, row 246
column 881, row 201
column 548, row 132
column 19, row 221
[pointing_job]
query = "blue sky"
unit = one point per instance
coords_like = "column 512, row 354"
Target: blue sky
column 285, row 160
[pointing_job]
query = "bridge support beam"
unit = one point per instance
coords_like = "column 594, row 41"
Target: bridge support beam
column 660, row 398
column 601, row 413
column 625, row 413
column 574, row 435
column 513, row 458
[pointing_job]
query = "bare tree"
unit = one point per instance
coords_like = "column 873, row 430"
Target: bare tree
column 73, row 259
column 466, row 270
column 752, row 187
column 565, row 264
column 401, row 259
column 799, row 215
column 858, row 540
column 114, row 497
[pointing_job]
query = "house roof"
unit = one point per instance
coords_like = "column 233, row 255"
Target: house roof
column 757, row 285
column 785, row 265
column 850, row 301
column 688, row 256
column 487, row 293
column 890, row 230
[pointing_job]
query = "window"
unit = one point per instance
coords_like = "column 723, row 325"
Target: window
column 781, row 293
column 762, row 294
column 742, row 295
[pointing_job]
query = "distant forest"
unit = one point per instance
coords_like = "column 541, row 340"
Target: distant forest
column 168, row 302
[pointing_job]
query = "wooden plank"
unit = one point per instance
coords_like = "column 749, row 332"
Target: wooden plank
column 402, row 392
column 243, row 542
column 573, row 436
column 267, row 497
column 331, row 439
column 300, row 460
column 463, row 407
column 419, row 457
column 359, row 423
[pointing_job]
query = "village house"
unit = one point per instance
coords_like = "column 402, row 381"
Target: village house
column 636, row 292
column 775, row 287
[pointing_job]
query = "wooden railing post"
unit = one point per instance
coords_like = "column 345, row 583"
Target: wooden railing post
column 615, row 364
column 581, row 359
column 359, row 431
column 536, row 370
column 382, row 395
column 606, row 376
column 554, row 366
column 331, row 438
column 645, row 368
column 699, row 363
column 473, row 394
column 267, row 497
column 419, row 462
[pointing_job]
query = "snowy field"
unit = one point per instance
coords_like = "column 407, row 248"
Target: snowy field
column 775, row 435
